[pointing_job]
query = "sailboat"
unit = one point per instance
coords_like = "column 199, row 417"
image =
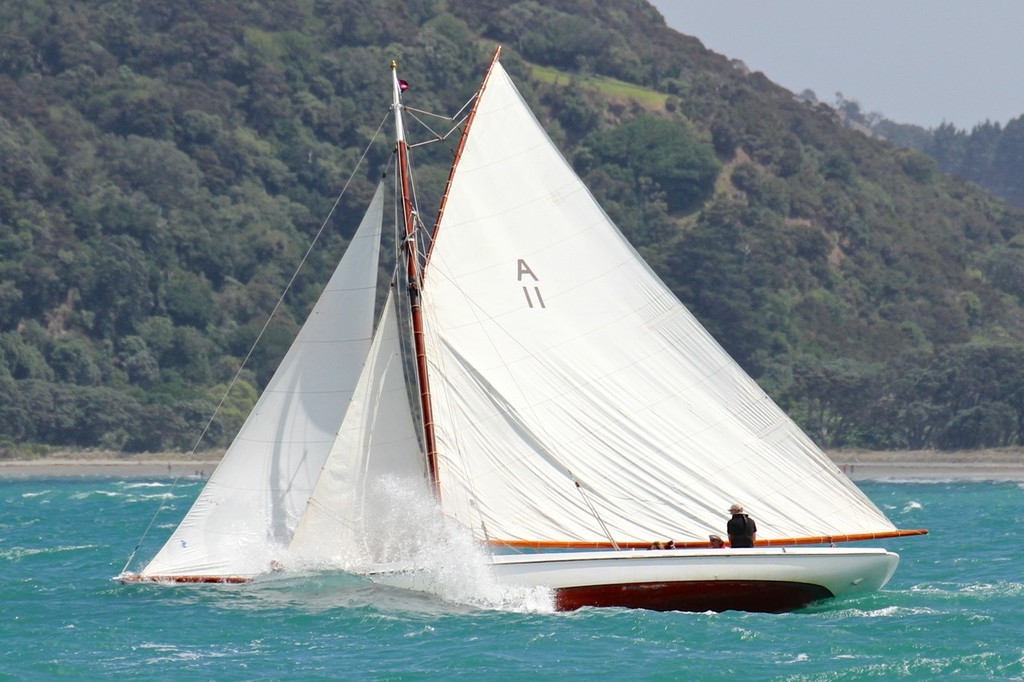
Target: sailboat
column 532, row 377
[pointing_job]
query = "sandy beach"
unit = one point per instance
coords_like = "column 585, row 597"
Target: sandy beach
column 105, row 468
column 169, row 465
column 981, row 465
column 1004, row 464
column 933, row 471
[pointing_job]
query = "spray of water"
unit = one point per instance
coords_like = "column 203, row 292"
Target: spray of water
column 400, row 538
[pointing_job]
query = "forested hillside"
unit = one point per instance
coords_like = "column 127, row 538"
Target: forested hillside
column 164, row 166
column 990, row 154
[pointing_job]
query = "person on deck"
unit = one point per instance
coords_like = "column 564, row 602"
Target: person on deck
column 741, row 528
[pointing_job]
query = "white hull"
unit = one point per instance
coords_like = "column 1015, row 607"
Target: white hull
column 761, row 579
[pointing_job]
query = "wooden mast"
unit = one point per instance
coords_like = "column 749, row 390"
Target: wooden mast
column 413, row 267
column 413, row 271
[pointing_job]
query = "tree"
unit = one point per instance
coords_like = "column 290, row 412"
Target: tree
column 662, row 152
column 188, row 299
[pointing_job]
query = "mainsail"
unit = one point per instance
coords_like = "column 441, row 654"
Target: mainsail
column 252, row 502
column 575, row 399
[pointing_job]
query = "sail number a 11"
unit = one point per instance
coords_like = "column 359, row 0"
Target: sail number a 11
column 534, row 299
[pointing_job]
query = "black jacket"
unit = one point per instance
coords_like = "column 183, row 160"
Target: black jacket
column 741, row 529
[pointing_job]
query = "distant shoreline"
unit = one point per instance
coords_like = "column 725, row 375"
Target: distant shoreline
column 981, row 465
column 52, row 467
column 1002, row 464
column 933, row 471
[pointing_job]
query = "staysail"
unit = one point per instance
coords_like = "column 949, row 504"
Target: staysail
column 377, row 441
column 575, row 399
column 252, row 502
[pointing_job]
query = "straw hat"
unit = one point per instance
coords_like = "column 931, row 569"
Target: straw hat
column 736, row 508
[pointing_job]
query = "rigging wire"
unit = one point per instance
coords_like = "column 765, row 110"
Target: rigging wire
column 457, row 119
column 593, row 511
column 266, row 325
column 437, row 138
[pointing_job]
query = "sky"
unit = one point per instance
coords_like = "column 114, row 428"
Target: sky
column 925, row 62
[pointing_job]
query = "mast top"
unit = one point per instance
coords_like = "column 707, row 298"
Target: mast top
column 396, row 102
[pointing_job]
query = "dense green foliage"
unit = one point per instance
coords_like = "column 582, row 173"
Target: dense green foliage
column 990, row 154
column 163, row 167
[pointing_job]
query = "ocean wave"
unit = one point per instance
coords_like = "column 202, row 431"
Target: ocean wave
column 180, row 654
column 86, row 494
column 129, row 496
column 984, row 665
column 912, row 505
column 888, row 611
column 157, row 496
column 1001, row 589
column 18, row 553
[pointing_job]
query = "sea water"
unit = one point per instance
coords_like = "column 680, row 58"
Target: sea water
column 955, row 608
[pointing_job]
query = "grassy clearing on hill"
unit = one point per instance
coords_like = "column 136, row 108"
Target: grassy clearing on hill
column 610, row 87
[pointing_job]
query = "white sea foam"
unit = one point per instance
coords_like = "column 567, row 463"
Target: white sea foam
column 911, row 506
column 16, row 553
column 407, row 542
column 158, row 496
column 84, row 495
column 1002, row 589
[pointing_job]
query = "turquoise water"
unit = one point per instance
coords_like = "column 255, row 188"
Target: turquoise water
column 954, row 609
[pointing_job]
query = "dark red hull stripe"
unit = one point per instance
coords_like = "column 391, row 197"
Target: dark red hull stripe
column 700, row 596
column 711, row 595
column 183, row 579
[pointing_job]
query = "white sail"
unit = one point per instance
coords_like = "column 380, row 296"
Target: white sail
column 252, row 502
column 377, row 441
column 556, row 356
